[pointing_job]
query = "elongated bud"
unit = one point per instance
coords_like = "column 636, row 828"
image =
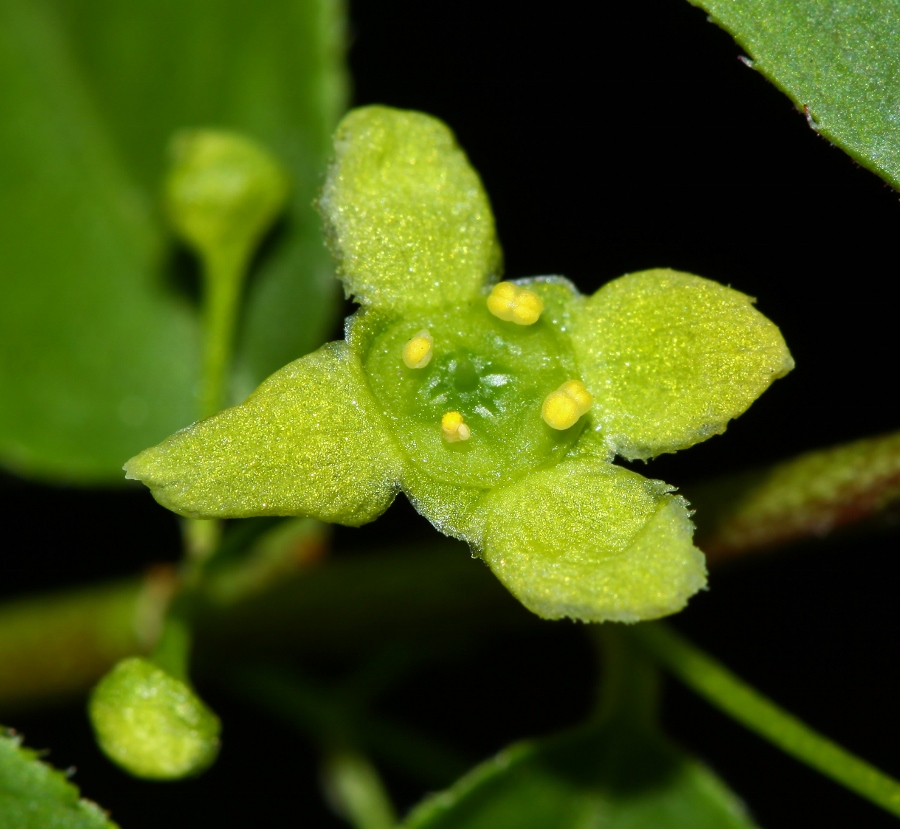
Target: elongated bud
column 151, row 724
column 223, row 191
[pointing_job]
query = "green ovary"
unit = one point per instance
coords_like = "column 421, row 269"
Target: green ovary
column 495, row 374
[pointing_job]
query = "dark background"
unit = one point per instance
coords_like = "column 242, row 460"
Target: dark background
column 610, row 141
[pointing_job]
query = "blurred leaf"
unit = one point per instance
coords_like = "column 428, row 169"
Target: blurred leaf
column 35, row 796
column 839, row 62
column 99, row 353
column 620, row 776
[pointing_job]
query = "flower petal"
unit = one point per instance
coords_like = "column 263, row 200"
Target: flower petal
column 309, row 441
column 406, row 215
column 594, row 542
column 670, row 358
column 453, row 509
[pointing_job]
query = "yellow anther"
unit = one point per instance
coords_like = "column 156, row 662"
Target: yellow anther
column 563, row 407
column 417, row 352
column 515, row 304
column 579, row 393
column 453, row 427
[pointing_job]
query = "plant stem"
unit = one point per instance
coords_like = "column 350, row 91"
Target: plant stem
column 727, row 692
column 326, row 716
column 58, row 645
column 224, row 272
column 173, row 651
column 356, row 791
column 629, row 689
column 804, row 497
column 201, row 539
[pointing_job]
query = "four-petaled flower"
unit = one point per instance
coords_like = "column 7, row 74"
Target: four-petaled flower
column 496, row 407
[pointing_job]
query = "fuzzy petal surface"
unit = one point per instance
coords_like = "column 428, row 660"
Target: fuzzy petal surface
column 309, row 441
column 406, row 216
column 594, row 542
column 670, row 358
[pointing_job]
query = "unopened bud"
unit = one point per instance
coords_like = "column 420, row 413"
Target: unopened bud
column 151, row 724
column 223, row 190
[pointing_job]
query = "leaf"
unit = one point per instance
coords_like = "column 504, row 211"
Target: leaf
column 617, row 777
column 99, row 354
column 310, row 441
column 670, row 358
column 407, row 216
column 35, row 796
column 594, row 542
column 838, row 62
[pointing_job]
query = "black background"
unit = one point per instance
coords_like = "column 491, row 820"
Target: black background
column 610, row 141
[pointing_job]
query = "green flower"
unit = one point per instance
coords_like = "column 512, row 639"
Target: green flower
column 496, row 408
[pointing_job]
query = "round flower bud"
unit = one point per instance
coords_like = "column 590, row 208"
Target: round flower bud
column 152, row 724
column 222, row 191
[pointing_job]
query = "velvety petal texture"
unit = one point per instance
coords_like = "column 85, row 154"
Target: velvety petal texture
column 498, row 424
column 452, row 509
column 670, row 358
column 309, row 441
column 406, row 216
column 594, row 542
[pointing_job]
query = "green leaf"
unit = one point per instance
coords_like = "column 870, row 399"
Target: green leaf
column 670, row 358
column 35, row 796
column 837, row 62
column 309, row 441
column 99, row 353
column 151, row 723
column 592, row 541
column 94, row 357
column 611, row 778
column 408, row 219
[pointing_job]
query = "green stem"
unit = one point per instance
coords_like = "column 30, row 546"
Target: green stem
column 173, row 651
column 201, row 539
column 330, row 719
column 356, row 791
column 224, row 276
column 339, row 611
column 629, row 689
column 727, row 692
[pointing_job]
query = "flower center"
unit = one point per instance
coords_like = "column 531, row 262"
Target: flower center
column 493, row 374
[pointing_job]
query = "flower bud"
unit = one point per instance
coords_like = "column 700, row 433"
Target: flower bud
column 223, row 191
column 151, row 724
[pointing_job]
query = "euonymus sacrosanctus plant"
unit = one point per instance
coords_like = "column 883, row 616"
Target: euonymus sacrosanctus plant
column 497, row 408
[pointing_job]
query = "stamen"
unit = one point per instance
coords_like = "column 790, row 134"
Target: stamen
column 453, row 428
column 417, row 352
column 513, row 303
column 563, row 407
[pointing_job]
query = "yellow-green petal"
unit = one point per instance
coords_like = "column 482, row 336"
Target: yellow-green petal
column 406, row 216
column 670, row 358
column 309, row 441
column 593, row 541
column 453, row 509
